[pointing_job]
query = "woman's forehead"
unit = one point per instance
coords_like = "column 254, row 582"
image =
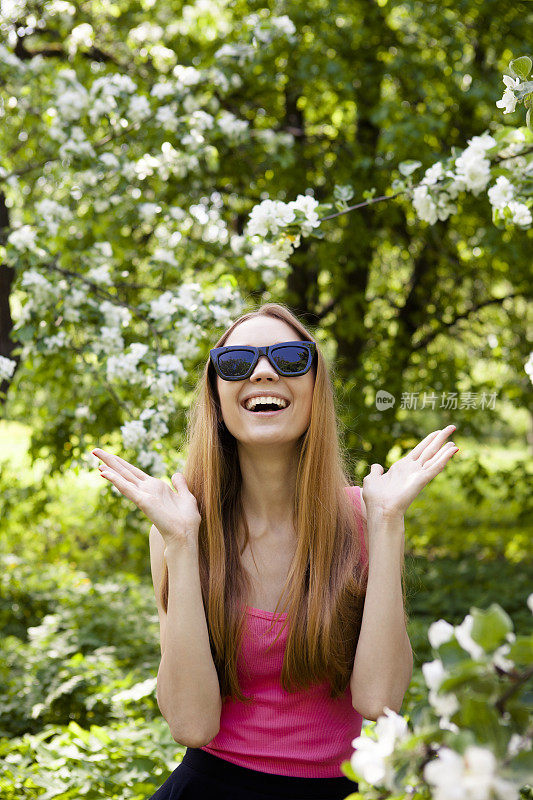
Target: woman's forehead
column 261, row 332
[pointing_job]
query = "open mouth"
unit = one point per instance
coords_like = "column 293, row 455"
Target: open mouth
column 266, row 410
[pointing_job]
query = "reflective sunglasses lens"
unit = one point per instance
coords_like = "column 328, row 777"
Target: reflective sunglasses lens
column 291, row 358
column 235, row 363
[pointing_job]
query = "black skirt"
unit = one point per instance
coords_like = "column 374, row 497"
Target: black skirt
column 203, row 775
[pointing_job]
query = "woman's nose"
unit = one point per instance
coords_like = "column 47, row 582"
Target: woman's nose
column 263, row 367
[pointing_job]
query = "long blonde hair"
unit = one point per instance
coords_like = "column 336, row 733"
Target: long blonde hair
column 326, row 583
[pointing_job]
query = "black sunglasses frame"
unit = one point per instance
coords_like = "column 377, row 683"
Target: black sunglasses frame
column 267, row 350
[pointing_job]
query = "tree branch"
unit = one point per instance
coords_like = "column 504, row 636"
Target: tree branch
column 445, row 325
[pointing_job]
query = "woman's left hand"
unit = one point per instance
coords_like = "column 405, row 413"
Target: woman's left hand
column 390, row 493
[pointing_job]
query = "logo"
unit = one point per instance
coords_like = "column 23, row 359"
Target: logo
column 384, row 400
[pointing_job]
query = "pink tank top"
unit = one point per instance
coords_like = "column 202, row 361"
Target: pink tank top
column 305, row 734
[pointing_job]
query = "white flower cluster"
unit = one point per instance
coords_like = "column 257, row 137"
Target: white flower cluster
column 271, row 216
column 372, row 757
column 53, row 214
column 266, row 29
column 509, row 101
column 7, row 368
column 452, row 775
column 440, row 632
column 105, row 95
column 471, row 172
column 81, row 36
column 23, row 238
column 471, row 775
column 71, row 96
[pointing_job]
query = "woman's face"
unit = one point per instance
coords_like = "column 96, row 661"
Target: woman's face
column 253, row 428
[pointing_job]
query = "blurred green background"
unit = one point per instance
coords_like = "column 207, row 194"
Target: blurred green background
column 397, row 305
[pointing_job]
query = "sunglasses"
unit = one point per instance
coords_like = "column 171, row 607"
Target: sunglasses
column 289, row 359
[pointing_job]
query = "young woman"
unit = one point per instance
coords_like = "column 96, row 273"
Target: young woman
column 278, row 587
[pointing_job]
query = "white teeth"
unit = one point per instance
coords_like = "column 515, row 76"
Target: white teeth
column 254, row 401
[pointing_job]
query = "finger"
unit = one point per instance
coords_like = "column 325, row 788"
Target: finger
column 376, row 469
column 125, row 487
column 178, row 481
column 121, row 466
column 435, row 444
column 439, row 460
column 416, row 451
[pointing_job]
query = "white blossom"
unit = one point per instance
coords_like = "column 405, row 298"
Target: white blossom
column 23, row 238
column 284, row 24
column 273, row 255
column 501, row 193
column 371, row 758
column 110, row 340
column 499, row 660
column 424, row 204
column 269, row 217
column 54, row 343
column 521, row 213
column 80, row 36
column 147, row 211
column 9, row 58
column 157, row 427
column 167, row 117
column 471, row 776
column 440, row 632
column 308, row 206
column 133, row 434
column 186, row 76
column 71, row 102
column 114, row 315
column 43, row 291
column 100, row 275
column 123, row 367
column 508, row 101
column 146, row 32
column 163, row 89
column 474, row 169
column 7, row 368
column 230, row 125
column 162, row 57
column 162, row 308
column 77, row 145
column 170, row 363
column 139, row 108
column 462, row 634
column 433, row 173
column 529, row 370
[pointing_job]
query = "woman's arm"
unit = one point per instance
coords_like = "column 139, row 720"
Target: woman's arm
column 188, row 691
column 383, row 663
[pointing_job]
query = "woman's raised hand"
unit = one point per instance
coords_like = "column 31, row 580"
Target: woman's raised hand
column 174, row 513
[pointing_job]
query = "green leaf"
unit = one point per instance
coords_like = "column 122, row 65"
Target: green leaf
column 483, row 720
column 521, row 650
column 522, row 765
column 529, row 121
column 521, row 66
column 490, row 626
column 524, row 88
column 347, row 769
column 408, row 167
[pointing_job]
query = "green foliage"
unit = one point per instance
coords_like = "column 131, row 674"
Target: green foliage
column 73, row 647
column 358, row 93
column 119, row 761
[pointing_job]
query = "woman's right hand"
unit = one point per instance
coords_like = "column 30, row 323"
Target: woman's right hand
column 174, row 513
